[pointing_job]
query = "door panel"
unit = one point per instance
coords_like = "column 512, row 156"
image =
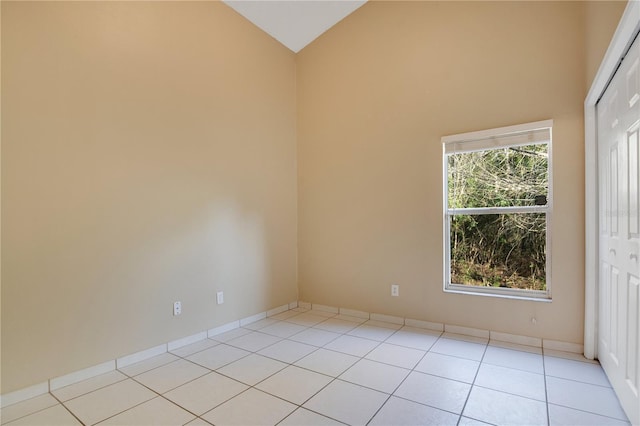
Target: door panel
column 619, row 232
column 633, row 298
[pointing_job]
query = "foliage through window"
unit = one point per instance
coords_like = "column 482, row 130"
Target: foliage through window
column 497, row 210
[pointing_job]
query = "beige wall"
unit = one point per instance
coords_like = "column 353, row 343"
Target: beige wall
column 601, row 18
column 375, row 95
column 149, row 155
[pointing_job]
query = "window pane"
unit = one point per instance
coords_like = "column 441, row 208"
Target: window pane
column 499, row 250
column 506, row 177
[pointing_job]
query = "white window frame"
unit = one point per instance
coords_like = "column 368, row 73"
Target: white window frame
column 480, row 141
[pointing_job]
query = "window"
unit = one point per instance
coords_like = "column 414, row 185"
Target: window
column 497, row 211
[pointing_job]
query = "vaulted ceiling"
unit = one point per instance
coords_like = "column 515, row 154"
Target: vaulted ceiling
column 295, row 23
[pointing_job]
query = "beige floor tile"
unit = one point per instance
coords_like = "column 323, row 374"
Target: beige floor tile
column 381, row 377
column 294, row 384
column 346, row 402
column 327, row 362
column 254, row 341
column 108, row 401
column 218, row 356
column 52, row 416
column 157, row 412
column 287, row 351
column 148, row 364
column 172, row 375
column 185, row 351
column 198, row 422
column 304, row 417
column 72, row 391
column 252, row 369
column 205, row 393
column 252, row 407
column 397, row 411
column 24, row 408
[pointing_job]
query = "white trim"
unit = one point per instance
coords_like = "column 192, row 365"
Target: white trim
column 504, row 293
column 354, row 313
column 252, row 318
column 627, row 29
column 325, row 308
column 141, row 356
column 497, row 210
column 557, row 345
column 427, row 325
column 80, row 375
column 293, row 305
column 466, row 331
column 305, row 305
column 278, row 310
column 490, row 133
column 178, row 343
column 223, row 328
column 24, row 394
column 465, row 337
column 387, row 318
column 516, row 339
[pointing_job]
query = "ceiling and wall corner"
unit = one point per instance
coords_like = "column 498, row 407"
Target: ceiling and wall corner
column 295, row 23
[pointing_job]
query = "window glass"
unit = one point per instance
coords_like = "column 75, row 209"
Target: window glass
column 513, row 176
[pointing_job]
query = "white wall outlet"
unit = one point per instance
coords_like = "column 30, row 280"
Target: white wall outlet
column 177, row 308
column 220, row 297
column 395, row 290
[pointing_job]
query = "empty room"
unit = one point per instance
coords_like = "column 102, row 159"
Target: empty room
column 320, row 212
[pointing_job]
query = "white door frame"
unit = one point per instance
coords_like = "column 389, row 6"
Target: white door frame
column 627, row 29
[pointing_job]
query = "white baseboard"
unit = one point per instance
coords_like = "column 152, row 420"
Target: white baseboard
column 253, row 318
column 24, row 394
column 78, row 376
column 354, row 313
column 278, row 310
column 387, row 318
column 562, row 346
column 516, row 339
column 175, row 344
column 325, row 308
column 305, row 305
column 466, row 331
column 427, row 325
column 223, row 328
column 141, row 356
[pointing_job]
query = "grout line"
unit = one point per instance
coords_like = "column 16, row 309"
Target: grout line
column 473, row 383
column 546, row 393
column 66, row 408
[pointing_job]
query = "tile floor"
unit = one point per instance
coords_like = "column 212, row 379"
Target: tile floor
column 314, row 368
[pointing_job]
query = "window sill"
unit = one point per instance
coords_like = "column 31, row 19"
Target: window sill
column 537, row 296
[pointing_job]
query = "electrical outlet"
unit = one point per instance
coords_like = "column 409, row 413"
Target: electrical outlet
column 220, row 297
column 395, row 290
column 177, row 308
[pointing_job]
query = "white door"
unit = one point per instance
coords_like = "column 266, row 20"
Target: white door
column 619, row 230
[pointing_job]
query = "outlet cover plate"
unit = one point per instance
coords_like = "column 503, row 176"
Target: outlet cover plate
column 395, row 290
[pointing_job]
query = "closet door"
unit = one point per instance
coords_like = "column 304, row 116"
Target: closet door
column 619, row 227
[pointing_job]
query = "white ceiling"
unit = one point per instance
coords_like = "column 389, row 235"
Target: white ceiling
column 295, row 23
